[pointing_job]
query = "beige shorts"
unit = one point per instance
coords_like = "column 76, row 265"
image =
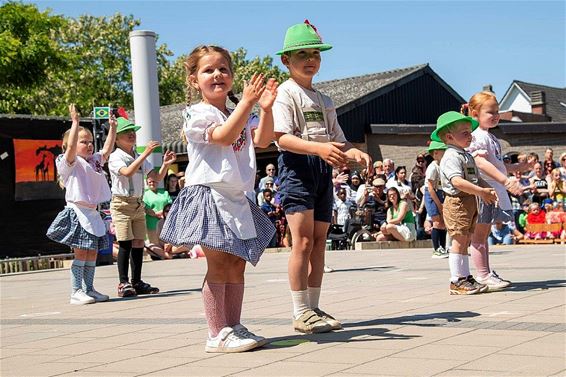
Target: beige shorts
column 128, row 217
column 460, row 214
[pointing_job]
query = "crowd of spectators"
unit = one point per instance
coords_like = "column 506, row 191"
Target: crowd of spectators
column 389, row 203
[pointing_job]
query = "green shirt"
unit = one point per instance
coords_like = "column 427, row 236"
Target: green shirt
column 156, row 201
column 409, row 218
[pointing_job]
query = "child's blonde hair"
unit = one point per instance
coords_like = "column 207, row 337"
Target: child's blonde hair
column 557, row 171
column 65, row 142
column 191, row 67
column 534, row 205
column 476, row 102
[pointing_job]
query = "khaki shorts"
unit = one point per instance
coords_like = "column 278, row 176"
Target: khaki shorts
column 128, row 217
column 460, row 214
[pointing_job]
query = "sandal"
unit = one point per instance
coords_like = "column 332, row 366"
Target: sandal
column 126, row 290
column 309, row 322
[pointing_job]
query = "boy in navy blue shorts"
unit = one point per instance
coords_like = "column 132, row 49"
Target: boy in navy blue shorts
column 311, row 143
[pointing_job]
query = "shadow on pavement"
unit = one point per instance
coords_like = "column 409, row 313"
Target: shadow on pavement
column 176, row 292
column 534, row 285
column 372, row 334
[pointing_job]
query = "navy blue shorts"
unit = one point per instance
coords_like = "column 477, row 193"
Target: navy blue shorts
column 430, row 205
column 306, row 183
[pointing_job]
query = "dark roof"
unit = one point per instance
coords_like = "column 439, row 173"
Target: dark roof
column 554, row 97
column 344, row 91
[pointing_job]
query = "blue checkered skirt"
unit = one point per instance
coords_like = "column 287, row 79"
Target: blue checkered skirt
column 67, row 230
column 194, row 219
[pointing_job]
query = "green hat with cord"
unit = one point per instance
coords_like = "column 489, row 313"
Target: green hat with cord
column 449, row 118
column 302, row 36
column 436, row 146
column 125, row 125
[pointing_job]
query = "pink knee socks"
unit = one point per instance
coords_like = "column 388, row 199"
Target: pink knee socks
column 480, row 258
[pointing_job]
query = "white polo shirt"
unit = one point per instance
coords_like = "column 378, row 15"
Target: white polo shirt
column 127, row 186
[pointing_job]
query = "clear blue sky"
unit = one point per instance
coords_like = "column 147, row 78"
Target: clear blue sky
column 468, row 43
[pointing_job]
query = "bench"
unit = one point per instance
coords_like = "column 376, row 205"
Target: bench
column 538, row 228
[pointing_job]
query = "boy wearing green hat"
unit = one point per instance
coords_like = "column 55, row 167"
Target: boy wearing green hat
column 311, row 142
column 127, row 170
column 461, row 184
column 433, row 199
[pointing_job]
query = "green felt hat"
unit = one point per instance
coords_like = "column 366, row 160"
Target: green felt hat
column 449, row 118
column 302, row 36
column 125, row 125
column 436, row 146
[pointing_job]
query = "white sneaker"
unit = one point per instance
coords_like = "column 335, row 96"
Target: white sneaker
column 97, row 296
column 243, row 332
column 328, row 269
column 493, row 282
column 227, row 341
column 81, row 298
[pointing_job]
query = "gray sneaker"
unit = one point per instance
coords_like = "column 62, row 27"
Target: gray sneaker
column 243, row 332
column 440, row 253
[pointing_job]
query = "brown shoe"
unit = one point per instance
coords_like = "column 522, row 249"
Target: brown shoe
column 465, row 287
column 309, row 322
column 336, row 325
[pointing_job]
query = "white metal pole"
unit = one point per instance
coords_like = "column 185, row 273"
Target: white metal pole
column 146, row 92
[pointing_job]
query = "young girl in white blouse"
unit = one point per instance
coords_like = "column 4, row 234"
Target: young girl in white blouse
column 79, row 225
column 215, row 209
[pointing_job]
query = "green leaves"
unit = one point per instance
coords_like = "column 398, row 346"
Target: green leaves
column 48, row 61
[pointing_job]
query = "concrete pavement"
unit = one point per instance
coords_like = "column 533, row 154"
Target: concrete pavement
column 399, row 320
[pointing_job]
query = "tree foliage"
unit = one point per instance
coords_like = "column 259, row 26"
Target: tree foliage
column 48, row 61
column 29, row 44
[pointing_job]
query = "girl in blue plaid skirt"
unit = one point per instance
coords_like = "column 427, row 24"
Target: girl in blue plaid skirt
column 79, row 225
column 213, row 209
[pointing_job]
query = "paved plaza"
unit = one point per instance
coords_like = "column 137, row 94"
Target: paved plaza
column 399, row 320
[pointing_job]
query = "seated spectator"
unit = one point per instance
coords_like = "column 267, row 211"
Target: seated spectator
column 536, row 216
column 539, row 184
column 378, row 167
column 355, row 182
column 155, row 200
column 400, row 224
column 532, row 160
column 521, row 216
column 162, row 250
column 271, row 211
column 341, row 210
column 501, row 234
column 401, row 184
column 418, row 172
column 556, row 215
column 172, row 185
column 388, row 168
column 556, row 186
column 373, row 197
column 268, row 184
column 563, row 166
column 270, row 172
column 549, row 163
